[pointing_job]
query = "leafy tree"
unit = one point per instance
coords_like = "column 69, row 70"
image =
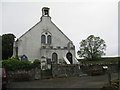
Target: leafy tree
column 92, row 48
column 7, row 45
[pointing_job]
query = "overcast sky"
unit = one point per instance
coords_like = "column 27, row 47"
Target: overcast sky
column 76, row 19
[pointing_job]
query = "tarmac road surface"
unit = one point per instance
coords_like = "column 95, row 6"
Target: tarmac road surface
column 71, row 82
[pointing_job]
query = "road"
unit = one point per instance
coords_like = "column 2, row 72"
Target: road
column 71, row 82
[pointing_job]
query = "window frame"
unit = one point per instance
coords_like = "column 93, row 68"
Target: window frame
column 43, row 39
column 48, row 38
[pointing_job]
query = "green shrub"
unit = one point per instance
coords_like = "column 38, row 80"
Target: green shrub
column 36, row 62
column 25, row 65
column 13, row 64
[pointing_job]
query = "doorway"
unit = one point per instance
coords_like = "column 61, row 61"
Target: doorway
column 54, row 58
column 69, row 57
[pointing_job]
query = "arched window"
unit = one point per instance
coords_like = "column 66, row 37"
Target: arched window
column 43, row 39
column 54, row 57
column 46, row 38
column 49, row 39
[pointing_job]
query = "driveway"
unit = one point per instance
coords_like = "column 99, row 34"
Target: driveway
column 71, row 82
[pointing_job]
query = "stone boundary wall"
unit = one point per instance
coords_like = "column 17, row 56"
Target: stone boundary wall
column 20, row 75
column 113, row 68
column 65, row 70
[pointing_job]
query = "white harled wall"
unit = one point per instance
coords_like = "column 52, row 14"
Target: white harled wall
column 30, row 43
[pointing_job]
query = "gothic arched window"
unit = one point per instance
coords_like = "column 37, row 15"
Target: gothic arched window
column 43, row 39
column 49, row 39
column 46, row 38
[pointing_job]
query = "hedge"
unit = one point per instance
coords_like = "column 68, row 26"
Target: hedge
column 13, row 64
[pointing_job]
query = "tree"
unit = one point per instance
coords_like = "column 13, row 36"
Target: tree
column 7, row 45
column 92, row 48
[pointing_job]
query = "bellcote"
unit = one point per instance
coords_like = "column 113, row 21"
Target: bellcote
column 45, row 14
column 45, row 11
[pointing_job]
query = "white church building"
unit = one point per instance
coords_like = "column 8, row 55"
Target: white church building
column 46, row 42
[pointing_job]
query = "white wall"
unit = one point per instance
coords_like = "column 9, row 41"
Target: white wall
column 30, row 42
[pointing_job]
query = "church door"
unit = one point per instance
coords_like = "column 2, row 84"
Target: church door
column 69, row 57
column 54, row 57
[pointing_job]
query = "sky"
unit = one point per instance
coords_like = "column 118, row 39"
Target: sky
column 76, row 18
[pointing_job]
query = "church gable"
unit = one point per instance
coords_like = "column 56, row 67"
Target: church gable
column 46, row 40
column 58, row 38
